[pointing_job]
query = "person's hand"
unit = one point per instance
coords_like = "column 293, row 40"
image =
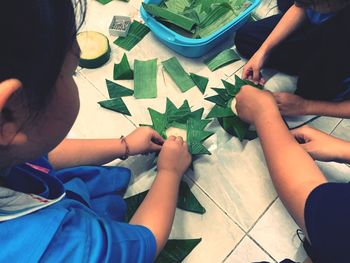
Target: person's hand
column 174, row 156
column 252, row 70
column 251, row 103
column 144, row 140
column 320, row 145
column 290, row 104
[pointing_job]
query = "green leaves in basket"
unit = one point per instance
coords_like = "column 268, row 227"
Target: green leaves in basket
column 145, row 84
column 123, row 70
column 224, row 58
column 176, row 250
column 228, row 120
column 169, row 16
column 200, row 81
column 116, row 105
column 178, row 74
column 136, row 33
column 116, row 91
column 104, row 1
column 183, row 120
column 186, row 201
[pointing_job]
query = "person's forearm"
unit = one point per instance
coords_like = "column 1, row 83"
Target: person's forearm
column 291, row 20
column 77, row 152
column 158, row 209
column 327, row 108
column 293, row 172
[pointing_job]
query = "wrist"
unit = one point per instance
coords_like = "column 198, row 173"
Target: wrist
column 169, row 175
column 125, row 144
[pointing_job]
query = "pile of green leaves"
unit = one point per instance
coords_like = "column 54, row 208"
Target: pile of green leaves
column 183, row 118
column 229, row 121
column 197, row 18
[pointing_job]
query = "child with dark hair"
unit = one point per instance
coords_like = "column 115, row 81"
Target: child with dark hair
column 320, row 208
column 310, row 40
column 56, row 203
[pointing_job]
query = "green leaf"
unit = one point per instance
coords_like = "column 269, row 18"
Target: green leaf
column 169, row 16
column 197, row 148
column 197, row 114
column 123, row 70
column 116, row 91
column 234, row 126
column 187, row 201
column 159, row 120
column 132, row 203
column 116, row 104
column 218, row 111
column 200, row 81
column 223, row 94
column 137, row 32
column 104, row 1
column 145, row 84
column 232, row 90
column 178, row 74
column 224, row 58
column 217, row 99
column 197, row 124
column 176, row 250
column 177, row 6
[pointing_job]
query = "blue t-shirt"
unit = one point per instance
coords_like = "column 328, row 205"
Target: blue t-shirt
column 318, row 18
column 85, row 226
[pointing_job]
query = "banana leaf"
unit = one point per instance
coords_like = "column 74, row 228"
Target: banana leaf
column 218, row 100
column 137, row 32
column 145, row 84
column 200, row 81
column 104, row 1
column 218, row 112
column 176, row 250
column 183, row 118
column 177, row 6
column 122, row 70
column 234, row 126
column 224, row 58
column 116, row 104
column 116, row 91
column 170, row 17
column 178, row 74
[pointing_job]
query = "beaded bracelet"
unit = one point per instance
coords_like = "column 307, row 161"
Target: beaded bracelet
column 126, row 154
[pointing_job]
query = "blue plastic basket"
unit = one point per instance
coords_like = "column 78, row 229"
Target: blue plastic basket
column 191, row 47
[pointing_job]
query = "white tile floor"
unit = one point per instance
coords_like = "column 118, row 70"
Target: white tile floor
column 245, row 221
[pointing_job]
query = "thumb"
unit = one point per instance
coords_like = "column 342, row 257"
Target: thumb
column 155, row 147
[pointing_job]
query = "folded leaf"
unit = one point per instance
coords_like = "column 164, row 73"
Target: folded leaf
column 136, row 33
column 234, row 126
column 132, row 203
column 116, row 105
column 169, row 16
column 223, row 93
column 218, row 111
column 145, row 84
column 218, row 100
column 116, row 91
column 232, row 90
column 201, row 82
column 104, row 1
column 178, row 74
column 176, row 250
column 224, row 58
column 123, row 70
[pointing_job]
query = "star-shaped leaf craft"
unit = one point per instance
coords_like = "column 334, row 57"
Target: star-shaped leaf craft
column 229, row 121
column 183, row 119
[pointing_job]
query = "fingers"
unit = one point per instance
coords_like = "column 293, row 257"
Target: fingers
column 157, row 139
column 246, row 73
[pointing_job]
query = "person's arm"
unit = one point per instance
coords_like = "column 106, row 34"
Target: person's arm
column 293, row 172
column 290, row 21
column 77, row 152
column 158, row 209
column 322, row 146
column 293, row 105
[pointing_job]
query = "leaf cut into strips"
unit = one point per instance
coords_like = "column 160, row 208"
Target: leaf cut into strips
column 136, row 33
column 116, row 105
column 224, row 58
column 176, row 250
column 116, row 91
column 145, row 84
column 200, row 81
column 122, row 70
column 178, row 74
column 170, row 17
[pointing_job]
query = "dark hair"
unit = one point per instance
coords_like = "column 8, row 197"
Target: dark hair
column 37, row 34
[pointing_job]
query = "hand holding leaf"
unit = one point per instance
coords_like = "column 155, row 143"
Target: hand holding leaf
column 144, row 140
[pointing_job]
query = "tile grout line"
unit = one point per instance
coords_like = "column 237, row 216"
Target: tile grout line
column 234, row 248
column 265, row 251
